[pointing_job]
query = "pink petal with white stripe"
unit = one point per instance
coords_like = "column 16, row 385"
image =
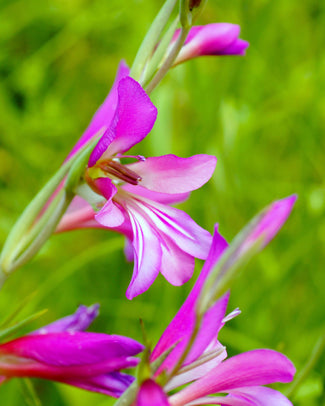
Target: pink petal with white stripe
column 147, row 254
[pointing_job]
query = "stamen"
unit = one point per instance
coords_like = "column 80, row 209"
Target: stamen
column 120, row 171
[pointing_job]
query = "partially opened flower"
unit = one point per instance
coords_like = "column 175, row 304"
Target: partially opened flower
column 211, row 39
column 196, row 357
column 62, row 352
column 134, row 198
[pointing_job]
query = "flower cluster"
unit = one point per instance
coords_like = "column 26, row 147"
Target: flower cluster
column 103, row 185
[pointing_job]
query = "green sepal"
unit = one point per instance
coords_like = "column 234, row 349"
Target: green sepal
column 33, row 227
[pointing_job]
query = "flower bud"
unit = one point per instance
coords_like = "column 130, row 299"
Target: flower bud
column 211, row 39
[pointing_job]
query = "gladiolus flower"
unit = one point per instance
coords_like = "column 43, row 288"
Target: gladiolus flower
column 62, row 352
column 205, row 369
column 134, row 198
column 211, row 39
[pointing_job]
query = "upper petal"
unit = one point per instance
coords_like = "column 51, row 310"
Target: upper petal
column 172, row 174
column 104, row 115
column 134, row 118
column 258, row 367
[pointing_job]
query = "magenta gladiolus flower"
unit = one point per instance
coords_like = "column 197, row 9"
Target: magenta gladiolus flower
column 134, row 198
column 205, row 370
column 211, row 39
column 62, row 352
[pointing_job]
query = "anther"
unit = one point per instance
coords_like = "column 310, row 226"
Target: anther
column 120, row 171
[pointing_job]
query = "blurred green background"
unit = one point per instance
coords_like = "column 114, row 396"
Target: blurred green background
column 261, row 115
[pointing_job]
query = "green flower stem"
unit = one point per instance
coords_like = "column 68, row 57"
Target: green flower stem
column 159, row 54
column 42, row 231
column 314, row 357
column 151, row 39
column 185, row 13
column 168, row 63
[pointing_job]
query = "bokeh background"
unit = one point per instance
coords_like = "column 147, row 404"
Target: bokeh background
column 261, row 115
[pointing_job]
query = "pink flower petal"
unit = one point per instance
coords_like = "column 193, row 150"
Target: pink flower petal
column 212, row 39
column 104, row 115
column 176, row 265
column 221, row 401
column 259, row 367
column 72, row 349
column 181, row 326
column 151, row 394
column 164, row 198
column 112, row 384
column 79, row 214
column 250, row 396
column 171, row 174
column 179, row 227
column 134, row 118
column 147, row 254
column 110, row 215
column 260, row 396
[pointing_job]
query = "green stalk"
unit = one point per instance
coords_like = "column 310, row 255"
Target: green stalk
column 43, row 230
column 311, row 362
column 159, row 54
column 168, row 63
column 151, row 39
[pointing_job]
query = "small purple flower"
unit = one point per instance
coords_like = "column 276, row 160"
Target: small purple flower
column 134, row 198
column 205, row 370
column 211, row 39
column 62, row 352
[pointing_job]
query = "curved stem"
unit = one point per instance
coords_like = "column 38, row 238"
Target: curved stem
column 169, row 60
column 311, row 362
